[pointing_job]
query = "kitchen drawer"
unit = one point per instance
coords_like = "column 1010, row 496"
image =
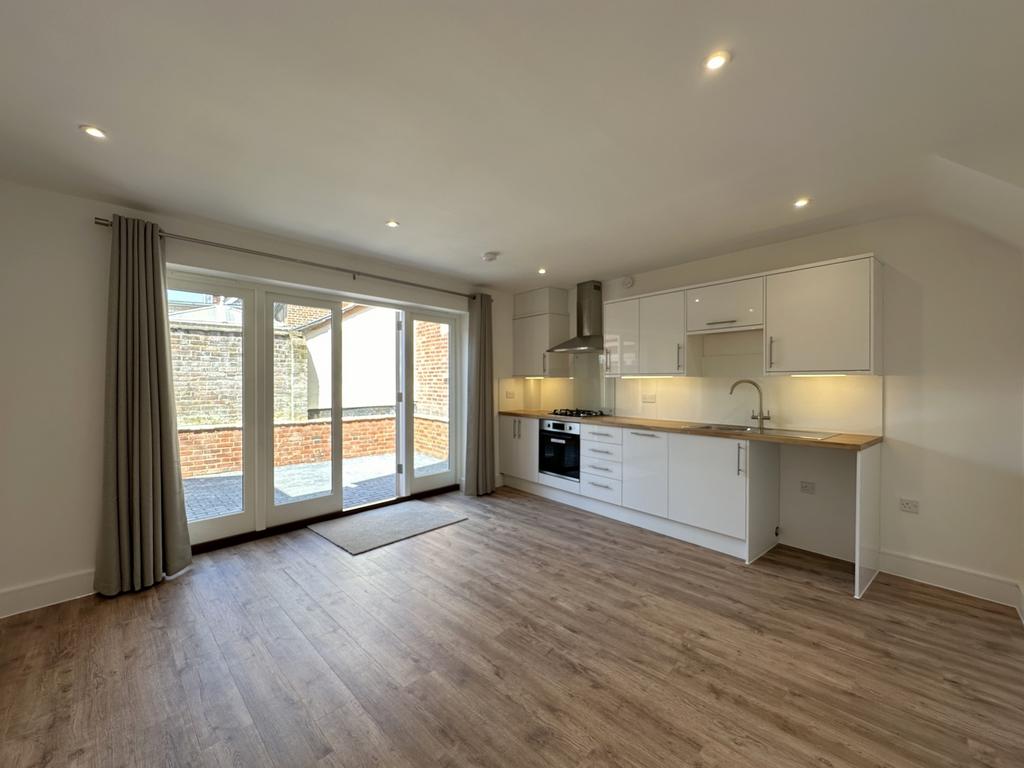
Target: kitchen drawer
column 601, row 468
column 602, row 451
column 601, row 434
column 601, row 488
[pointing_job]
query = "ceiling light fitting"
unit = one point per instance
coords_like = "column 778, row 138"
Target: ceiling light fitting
column 717, row 60
column 391, row 224
column 93, row 131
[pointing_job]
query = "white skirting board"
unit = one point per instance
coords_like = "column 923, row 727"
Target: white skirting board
column 983, row 585
column 39, row 594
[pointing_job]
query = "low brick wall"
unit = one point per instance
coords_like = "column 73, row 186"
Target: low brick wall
column 214, row 450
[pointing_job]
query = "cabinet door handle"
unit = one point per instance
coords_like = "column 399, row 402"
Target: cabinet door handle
column 607, row 360
column 643, row 434
column 679, row 355
column 544, row 363
column 518, row 429
column 598, row 450
column 599, row 485
column 599, row 469
column 602, row 434
column 719, row 322
column 771, row 351
column 739, row 447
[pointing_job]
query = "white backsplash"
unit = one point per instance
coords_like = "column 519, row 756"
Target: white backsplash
column 842, row 404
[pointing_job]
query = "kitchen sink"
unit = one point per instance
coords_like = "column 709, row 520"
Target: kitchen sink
column 768, row 431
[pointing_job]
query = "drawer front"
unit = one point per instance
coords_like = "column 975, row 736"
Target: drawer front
column 601, row 468
column 600, row 451
column 601, row 488
column 601, row 434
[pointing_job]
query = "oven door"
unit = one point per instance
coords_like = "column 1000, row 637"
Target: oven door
column 560, row 454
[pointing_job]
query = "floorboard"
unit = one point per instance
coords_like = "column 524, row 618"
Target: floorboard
column 532, row 634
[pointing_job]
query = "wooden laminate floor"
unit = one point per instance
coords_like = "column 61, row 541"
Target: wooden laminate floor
column 530, row 635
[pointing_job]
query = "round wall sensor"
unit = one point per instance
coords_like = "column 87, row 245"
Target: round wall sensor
column 627, row 282
column 490, row 255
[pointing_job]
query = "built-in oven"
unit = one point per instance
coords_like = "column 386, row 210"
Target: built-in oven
column 560, row 449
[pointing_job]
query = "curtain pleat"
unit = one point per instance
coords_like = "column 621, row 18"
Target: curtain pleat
column 480, row 407
column 144, row 532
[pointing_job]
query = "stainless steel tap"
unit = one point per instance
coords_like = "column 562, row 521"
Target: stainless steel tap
column 760, row 416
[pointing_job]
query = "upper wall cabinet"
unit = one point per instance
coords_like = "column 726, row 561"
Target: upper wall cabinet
column 662, row 337
column 726, row 306
column 824, row 319
column 540, row 320
column 621, row 337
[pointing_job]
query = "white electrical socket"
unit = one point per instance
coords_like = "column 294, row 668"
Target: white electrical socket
column 911, row 506
column 806, row 486
column 510, row 395
column 649, row 397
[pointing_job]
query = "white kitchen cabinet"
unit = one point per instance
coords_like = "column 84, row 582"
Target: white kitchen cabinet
column 707, row 486
column 725, row 306
column 645, row 471
column 601, row 488
column 532, row 337
column 661, row 338
column 823, row 319
column 519, row 447
column 621, row 334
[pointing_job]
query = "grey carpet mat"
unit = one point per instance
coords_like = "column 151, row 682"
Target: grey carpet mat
column 364, row 531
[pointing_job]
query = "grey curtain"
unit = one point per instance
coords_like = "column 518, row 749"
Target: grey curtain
column 480, row 419
column 144, row 534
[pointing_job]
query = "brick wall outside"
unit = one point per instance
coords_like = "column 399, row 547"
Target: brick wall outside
column 215, row 450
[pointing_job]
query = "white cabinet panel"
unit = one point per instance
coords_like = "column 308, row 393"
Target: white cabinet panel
column 621, row 332
column 645, row 471
column 541, row 301
column 601, row 451
column 518, row 447
column 532, row 337
column 661, row 338
column 722, row 307
column 602, row 468
column 708, row 483
column 601, row 434
column 601, row 488
column 821, row 319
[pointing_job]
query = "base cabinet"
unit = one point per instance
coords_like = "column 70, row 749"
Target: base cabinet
column 518, row 447
column 708, row 483
column 645, row 471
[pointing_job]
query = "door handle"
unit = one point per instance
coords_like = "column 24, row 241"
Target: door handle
column 607, row 360
column 679, row 355
column 600, row 485
column 602, row 434
column 557, row 440
column 599, row 469
column 643, row 434
column 771, row 351
column 544, row 363
column 719, row 322
column 739, row 447
column 598, row 450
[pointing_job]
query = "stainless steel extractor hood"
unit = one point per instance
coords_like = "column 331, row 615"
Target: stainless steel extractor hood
column 589, row 321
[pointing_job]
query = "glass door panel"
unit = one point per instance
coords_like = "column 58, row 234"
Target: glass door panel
column 432, row 363
column 209, row 365
column 303, row 361
column 369, row 419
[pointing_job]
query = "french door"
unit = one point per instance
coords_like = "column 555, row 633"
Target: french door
column 293, row 405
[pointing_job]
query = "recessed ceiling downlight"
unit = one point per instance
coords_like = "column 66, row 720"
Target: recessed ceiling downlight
column 801, row 202
column 717, row 60
column 542, row 271
column 392, row 224
column 93, row 131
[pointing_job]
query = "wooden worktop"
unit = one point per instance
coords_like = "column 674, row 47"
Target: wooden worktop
column 841, row 441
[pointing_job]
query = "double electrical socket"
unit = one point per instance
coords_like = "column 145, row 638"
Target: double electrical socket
column 806, row 486
column 910, row 505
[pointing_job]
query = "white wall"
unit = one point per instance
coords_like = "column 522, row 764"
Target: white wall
column 953, row 410
column 54, row 270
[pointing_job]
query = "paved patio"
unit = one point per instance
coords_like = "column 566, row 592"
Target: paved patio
column 365, row 480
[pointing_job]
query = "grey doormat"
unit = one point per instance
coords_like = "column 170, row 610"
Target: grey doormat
column 364, row 531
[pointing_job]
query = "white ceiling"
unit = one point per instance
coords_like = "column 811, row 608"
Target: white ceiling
column 579, row 135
